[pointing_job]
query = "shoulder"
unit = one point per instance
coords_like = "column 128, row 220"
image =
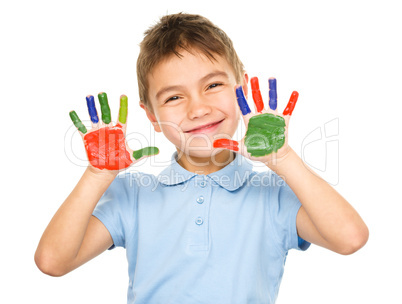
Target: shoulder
column 133, row 178
column 126, row 189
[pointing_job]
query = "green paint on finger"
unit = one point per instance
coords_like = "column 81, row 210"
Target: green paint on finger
column 145, row 151
column 265, row 134
column 123, row 109
column 77, row 122
column 106, row 117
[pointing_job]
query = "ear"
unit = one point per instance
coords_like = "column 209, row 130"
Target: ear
column 245, row 84
column 151, row 116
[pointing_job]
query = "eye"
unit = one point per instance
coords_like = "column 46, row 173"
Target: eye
column 172, row 98
column 214, row 85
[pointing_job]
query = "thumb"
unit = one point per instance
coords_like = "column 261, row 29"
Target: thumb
column 226, row 144
column 147, row 151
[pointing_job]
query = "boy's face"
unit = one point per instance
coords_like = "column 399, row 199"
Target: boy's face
column 194, row 101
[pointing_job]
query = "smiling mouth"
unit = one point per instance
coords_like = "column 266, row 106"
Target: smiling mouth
column 204, row 127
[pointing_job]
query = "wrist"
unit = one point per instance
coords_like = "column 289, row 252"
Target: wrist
column 104, row 175
column 281, row 165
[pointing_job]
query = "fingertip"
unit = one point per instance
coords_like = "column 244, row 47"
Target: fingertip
column 291, row 104
column 102, row 96
column 241, row 100
column 226, row 143
column 123, row 98
column 147, row 151
column 272, row 83
column 93, row 114
column 273, row 97
column 90, row 101
column 123, row 109
column 77, row 122
column 254, row 83
column 239, row 92
column 73, row 115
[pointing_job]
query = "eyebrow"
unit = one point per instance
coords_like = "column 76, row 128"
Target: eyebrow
column 214, row 74
column 168, row 89
column 180, row 87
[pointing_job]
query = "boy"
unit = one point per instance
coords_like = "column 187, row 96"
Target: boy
column 208, row 229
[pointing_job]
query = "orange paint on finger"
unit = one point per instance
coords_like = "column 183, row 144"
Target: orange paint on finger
column 291, row 104
column 255, row 90
column 226, row 144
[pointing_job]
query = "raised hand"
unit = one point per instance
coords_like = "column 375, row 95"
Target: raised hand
column 266, row 138
column 105, row 144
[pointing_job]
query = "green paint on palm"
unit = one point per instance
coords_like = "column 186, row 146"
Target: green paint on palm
column 77, row 122
column 123, row 109
column 145, row 151
column 106, row 117
column 265, row 134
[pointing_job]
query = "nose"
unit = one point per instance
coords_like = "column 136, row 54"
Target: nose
column 198, row 108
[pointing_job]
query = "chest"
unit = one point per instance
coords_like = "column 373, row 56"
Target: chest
column 195, row 216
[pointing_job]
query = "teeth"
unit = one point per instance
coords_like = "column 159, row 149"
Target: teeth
column 204, row 127
column 212, row 124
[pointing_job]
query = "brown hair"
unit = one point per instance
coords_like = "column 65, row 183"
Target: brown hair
column 182, row 31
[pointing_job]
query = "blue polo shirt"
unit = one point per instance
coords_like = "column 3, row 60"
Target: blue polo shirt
column 189, row 238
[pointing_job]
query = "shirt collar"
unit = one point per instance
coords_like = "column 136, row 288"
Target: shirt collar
column 230, row 177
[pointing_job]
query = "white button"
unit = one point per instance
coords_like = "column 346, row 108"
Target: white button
column 200, row 200
column 199, row 221
column 203, row 184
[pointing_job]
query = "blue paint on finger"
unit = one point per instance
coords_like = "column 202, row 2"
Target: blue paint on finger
column 92, row 109
column 241, row 100
column 273, row 97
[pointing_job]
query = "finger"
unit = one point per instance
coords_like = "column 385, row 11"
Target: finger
column 93, row 114
column 147, row 151
column 77, row 122
column 106, row 118
column 241, row 100
column 226, row 144
column 272, row 94
column 123, row 109
column 255, row 89
column 291, row 104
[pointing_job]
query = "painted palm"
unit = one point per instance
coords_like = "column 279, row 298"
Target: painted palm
column 105, row 143
column 266, row 137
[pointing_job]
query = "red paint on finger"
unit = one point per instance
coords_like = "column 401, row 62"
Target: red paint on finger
column 255, row 90
column 291, row 104
column 106, row 149
column 227, row 144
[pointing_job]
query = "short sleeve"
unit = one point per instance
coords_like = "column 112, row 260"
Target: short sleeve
column 284, row 206
column 117, row 207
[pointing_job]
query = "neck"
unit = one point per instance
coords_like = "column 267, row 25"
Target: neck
column 205, row 165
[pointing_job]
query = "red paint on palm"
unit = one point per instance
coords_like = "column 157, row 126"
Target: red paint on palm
column 227, row 144
column 106, row 148
column 255, row 90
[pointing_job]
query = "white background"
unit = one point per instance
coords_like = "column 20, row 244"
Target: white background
column 344, row 58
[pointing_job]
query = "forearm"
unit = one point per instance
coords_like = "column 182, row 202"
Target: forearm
column 334, row 218
column 62, row 239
